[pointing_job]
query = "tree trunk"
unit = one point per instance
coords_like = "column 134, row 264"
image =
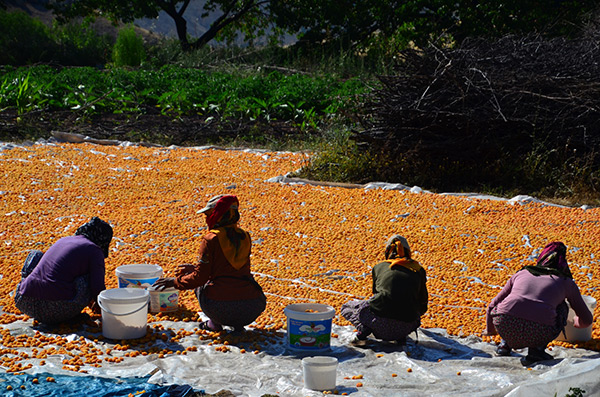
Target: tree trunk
column 181, row 26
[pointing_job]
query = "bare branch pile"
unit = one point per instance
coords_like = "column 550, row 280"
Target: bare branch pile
column 490, row 101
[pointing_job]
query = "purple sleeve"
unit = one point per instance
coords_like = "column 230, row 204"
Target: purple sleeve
column 97, row 274
column 499, row 298
column 584, row 317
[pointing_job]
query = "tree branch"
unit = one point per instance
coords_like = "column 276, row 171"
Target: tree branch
column 226, row 19
column 186, row 3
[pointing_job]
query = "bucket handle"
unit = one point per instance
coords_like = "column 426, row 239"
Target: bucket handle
column 122, row 314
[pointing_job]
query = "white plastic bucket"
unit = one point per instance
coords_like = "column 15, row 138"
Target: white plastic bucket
column 138, row 276
column 124, row 312
column 309, row 326
column 166, row 300
column 319, row 372
column 578, row 334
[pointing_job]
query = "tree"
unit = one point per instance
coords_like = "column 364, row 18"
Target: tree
column 423, row 21
column 319, row 21
column 497, row 18
column 250, row 17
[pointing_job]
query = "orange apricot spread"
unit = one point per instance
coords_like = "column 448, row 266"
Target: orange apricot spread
column 310, row 243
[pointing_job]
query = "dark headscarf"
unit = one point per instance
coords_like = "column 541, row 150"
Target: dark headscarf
column 98, row 232
column 397, row 247
column 552, row 260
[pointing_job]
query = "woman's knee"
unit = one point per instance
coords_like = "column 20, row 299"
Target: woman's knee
column 33, row 258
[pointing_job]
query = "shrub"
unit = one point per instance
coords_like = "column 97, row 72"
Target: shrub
column 129, row 49
column 80, row 45
column 25, row 40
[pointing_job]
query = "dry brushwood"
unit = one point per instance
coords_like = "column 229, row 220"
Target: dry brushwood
column 498, row 99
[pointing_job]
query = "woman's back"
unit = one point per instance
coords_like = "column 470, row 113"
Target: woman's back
column 69, row 258
column 536, row 297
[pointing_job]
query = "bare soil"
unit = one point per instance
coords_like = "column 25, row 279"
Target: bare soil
column 151, row 127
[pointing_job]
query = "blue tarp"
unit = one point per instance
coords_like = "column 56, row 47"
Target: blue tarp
column 64, row 385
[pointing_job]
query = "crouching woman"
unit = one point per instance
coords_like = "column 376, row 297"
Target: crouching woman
column 530, row 311
column 399, row 298
column 57, row 285
column 227, row 292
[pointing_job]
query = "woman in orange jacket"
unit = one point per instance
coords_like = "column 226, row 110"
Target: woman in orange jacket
column 227, row 292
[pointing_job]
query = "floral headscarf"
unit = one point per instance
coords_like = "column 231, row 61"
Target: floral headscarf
column 98, row 232
column 552, row 260
column 397, row 253
column 397, row 247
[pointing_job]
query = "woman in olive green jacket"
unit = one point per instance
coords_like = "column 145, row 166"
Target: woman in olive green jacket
column 399, row 296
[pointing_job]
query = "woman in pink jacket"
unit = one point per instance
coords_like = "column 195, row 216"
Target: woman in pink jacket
column 531, row 311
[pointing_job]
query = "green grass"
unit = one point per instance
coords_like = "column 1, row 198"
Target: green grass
column 302, row 100
column 571, row 181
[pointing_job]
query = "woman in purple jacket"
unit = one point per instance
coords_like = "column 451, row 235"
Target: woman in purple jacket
column 56, row 286
column 531, row 311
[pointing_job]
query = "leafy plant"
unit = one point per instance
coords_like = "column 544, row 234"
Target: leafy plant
column 22, row 99
column 129, row 48
column 575, row 392
column 304, row 101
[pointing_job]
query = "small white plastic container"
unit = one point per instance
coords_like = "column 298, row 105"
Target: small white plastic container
column 319, row 372
column 164, row 301
column 578, row 334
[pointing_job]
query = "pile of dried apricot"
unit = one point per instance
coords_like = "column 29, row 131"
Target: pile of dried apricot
column 310, row 243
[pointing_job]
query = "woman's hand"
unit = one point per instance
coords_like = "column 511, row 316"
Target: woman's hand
column 575, row 322
column 184, row 269
column 94, row 307
column 164, row 283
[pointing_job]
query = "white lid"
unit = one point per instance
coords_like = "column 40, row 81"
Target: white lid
column 124, row 295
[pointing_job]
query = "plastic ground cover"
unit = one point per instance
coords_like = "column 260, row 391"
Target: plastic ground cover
column 435, row 364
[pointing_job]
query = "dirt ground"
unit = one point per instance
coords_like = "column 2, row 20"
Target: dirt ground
column 150, row 127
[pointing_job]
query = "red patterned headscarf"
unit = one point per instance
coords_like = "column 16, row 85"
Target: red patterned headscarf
column 226, row 207
column 222, row 221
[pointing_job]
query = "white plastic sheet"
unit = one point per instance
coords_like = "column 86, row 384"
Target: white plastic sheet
column 436, row 365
